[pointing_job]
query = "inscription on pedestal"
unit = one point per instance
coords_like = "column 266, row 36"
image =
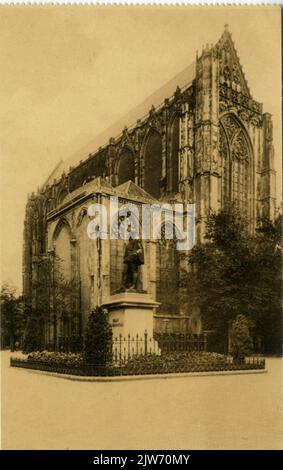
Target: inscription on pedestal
column 131, row 313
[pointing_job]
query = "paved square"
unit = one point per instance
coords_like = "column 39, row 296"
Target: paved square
column 220, row 412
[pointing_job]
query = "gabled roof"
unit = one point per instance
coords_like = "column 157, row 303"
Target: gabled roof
column 98, row 184
column 128, row 190
column 132, row 191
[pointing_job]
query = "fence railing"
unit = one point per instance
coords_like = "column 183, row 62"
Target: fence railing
column 164, row 353
column 141, row 354
column 251, row 363
column 126, row 347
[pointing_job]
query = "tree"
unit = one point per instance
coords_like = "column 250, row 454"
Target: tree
column 12, row 318
column 219, row 270
column 241, row 341
column 98, row 339
column 54, row 300
column 235, row 271
column 268, row 286
column 33, row 337
column 53, row 291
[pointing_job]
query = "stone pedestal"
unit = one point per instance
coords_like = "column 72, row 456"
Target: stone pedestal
column 131, row 313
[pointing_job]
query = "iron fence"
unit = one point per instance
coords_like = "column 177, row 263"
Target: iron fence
column 126, row 347
column 251, row 363
column 141, row 354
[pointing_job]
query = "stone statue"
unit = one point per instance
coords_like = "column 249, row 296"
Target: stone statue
column 133, row 258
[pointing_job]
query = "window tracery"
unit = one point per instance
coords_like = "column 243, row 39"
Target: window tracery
column 235, row 161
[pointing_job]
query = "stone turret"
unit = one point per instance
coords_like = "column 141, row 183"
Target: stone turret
column 267, row 174
column 206, row 165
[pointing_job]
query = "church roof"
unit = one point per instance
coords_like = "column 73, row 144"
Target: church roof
column 156, row 99
column 132, row 191
column 97, row 184
column 128, row 190
column 182, row 80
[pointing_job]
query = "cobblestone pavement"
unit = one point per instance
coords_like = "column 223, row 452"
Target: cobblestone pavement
column 218, row 412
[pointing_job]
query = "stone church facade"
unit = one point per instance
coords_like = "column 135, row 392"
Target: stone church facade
column 208, row 143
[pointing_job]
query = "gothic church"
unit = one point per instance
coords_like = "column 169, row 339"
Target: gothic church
column 201, row 139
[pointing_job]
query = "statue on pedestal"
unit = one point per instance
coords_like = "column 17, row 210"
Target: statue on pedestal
column 133, row 259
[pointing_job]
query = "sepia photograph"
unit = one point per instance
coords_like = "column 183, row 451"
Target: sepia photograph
column 141, row 229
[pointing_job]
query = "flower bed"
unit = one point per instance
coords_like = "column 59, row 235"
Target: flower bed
column 51, row 357
column 174, row 362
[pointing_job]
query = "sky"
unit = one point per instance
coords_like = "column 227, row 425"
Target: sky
column 69, row 72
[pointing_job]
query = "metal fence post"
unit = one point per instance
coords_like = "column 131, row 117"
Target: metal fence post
column 120, row 349
column 145, row 343
column 129, row 346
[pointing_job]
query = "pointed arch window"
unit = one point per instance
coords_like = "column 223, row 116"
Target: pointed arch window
column 173, row 161
column 153, row 164
column 61, row 239
column 236, row 164
column 126, row 168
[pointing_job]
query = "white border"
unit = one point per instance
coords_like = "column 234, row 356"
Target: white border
column 234, row 3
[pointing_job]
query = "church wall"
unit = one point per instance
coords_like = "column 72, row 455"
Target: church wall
column 87, row 260
column 63, row 250
column 94, row 262
column 82, row 258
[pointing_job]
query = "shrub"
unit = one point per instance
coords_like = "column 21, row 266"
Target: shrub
column 175, row 362
column 33, row 335
column 241, row 342
column 98, row 339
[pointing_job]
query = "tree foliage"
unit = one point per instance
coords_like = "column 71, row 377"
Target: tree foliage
column 235, row 272
column 55, row 298
column 12, row 316
column 53, row 290
column 34, row 335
